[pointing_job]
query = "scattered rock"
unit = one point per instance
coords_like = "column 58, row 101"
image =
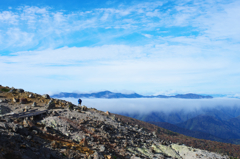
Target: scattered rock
column 50, row 104
column 34, row 104
column 35, row 132
column 15, row 100
column 134, row 157
column 96, row 156
column 3, row 100
column 83, row 142
column 5, row 126
column 29, row 137
column 154, row 134
column 4, row 109
column 20, row 90
column 70, row 106
column 25, row 123
column 12, row 90
column 46, row 96
column 109, row 157
column 101, row 148
column 84, row 108
column 47, row 129
column 15, row 128
column 23, row 101
column 54, row 113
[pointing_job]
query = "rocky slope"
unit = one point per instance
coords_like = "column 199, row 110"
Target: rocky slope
column 196, row 134
column 37, row 126
column 223, row 129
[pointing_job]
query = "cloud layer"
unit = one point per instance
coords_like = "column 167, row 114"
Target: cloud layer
column 146, row 105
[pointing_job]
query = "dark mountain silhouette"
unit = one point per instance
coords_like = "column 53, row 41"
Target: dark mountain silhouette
column 108, row 94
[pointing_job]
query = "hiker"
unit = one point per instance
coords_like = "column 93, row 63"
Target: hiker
column 79, row 101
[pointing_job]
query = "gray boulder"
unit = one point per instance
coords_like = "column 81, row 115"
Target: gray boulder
column 20, row 90
column 84, row 108
column 12, row 90
column 50, row 104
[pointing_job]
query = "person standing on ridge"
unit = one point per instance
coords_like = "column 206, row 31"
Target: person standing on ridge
column 79, row 101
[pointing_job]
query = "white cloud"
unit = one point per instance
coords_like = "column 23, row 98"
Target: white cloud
column 221, row 21
column 147, row 35
column 8, row 17
column 154, row 13
column 18, row 38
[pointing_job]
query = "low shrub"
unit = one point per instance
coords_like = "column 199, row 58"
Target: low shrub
column 5, row 90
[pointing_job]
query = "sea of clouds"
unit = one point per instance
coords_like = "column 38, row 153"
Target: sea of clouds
column 147, row 105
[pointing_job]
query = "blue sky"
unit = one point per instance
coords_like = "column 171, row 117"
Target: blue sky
column 149, row 47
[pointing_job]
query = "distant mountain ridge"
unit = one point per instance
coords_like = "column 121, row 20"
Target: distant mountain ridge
column 109, row 95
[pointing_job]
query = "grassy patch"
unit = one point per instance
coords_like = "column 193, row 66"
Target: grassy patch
column 5, row 90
